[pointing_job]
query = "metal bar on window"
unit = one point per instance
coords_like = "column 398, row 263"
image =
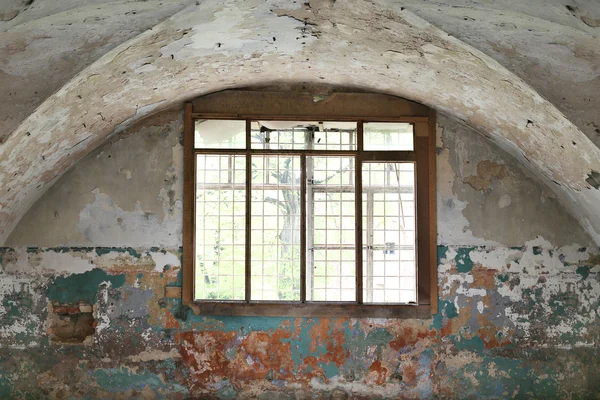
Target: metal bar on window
column 303, row 266
column 308, row 117
column 298, row 152
column 358, row 214
column 400, row 156
column 248, row 212
column 369, row 245
column 189, row 209
column 352, row 161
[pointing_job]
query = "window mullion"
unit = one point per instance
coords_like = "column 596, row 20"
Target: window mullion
column 358, row 213
column 310, row 228
column 248, row 212
column 370, row 256
column 303, row 224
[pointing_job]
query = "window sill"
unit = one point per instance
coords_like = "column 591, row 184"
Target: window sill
column 342, row 310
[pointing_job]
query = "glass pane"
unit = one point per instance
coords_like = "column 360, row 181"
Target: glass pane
column 302, row 135
column 330, row 231
column 220, row 227
column 220, row 134
column 388, row 136
column 389, row 258
column 275, row 225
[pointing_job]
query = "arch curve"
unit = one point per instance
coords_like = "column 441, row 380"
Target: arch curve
column 218, row 45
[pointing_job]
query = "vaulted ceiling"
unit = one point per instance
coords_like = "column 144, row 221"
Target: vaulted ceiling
column 524, row 74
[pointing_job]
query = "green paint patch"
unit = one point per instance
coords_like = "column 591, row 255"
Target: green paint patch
column 441, row 253
column 227, row 323
column 331, row 370
column 436, row 321
column 583, row 271
column 450, row 310
column 473, row 344
column 445, row 309
column 81, row 287
column 16, row 305
column 121, row 379
column 301, row 345
column 463, row 259
column 5, row 387
column 379, row 337
column 537, row 250
column 360, row 344
column 361, row 347
column 503, row 277
column 68, row 249
column 18, row 308
column 510, row 375
column 227, row 392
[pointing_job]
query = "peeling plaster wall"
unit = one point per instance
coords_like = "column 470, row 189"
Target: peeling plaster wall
column 514, row 322
column 519, row 283
column 135, row 196
column 553, row 46
column 43, row 44
column 518, row 276
column 486, row 198
column 215, row 45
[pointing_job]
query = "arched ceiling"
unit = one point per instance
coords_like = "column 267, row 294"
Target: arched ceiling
column 379, row 46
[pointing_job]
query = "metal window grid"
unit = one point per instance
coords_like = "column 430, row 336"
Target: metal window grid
column 389, row 240
column 220, row 227
column 323, row 270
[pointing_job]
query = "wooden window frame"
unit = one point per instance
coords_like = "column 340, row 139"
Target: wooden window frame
column 340, row 106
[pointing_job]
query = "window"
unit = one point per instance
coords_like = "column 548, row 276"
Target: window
column 303, row 208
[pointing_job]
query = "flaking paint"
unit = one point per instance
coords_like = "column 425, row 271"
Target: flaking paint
column 149, row 351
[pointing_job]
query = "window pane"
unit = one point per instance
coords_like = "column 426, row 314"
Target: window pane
column 330, row 233
column 389, row 266
column 296, row 135
column 275, row 208
column 220, row 134
column 220, row 227
column 388, row 136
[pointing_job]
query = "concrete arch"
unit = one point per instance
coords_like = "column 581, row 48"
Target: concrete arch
column 373, row 45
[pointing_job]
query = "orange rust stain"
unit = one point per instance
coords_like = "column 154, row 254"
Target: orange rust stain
column 409, row 373
column 483, row 277
column 171, row 322
column 308, row 370
column 409, row 336
column 335, row 346
column 261, row 352
column 319, row 333
column 377, row 373
column 326, row 346
column 203, row 354
column 329, row 334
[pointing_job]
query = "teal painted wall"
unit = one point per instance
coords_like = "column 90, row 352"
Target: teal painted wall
column 512, row 322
